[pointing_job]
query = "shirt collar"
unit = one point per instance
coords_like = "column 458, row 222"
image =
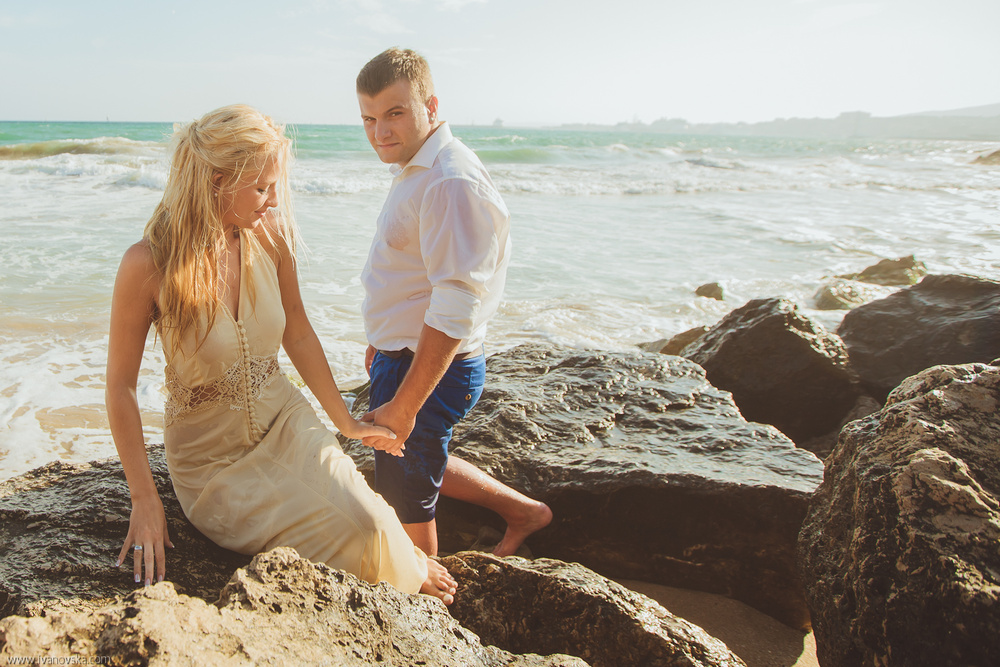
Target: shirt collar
column 425, row 157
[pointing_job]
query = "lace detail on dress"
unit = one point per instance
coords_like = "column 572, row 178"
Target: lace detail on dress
column 239, row 388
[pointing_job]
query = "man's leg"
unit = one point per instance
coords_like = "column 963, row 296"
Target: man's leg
column 424, row 535
column 464, row 481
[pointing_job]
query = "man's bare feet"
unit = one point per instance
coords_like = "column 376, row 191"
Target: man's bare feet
column 439, row 583
column 535, row 517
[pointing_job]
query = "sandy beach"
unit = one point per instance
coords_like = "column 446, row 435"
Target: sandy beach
column 758, row 639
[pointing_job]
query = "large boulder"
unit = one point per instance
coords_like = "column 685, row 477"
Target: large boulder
column 949, row 319
column 546, row 606
column 63, row 525
column 782, row 367
column 900, row 551
column 281, row 609
column 650, row 471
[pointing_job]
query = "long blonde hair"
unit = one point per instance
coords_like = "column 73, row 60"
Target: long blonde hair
column 186, row 234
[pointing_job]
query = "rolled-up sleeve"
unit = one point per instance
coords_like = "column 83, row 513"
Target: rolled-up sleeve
column 461, row 230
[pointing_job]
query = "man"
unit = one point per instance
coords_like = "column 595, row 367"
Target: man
column 434, row 277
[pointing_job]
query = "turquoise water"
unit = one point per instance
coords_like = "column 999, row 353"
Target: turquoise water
column 612, row 233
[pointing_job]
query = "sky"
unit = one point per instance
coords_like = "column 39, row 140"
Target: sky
column 525, row 62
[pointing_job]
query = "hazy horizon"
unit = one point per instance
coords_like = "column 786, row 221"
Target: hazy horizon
column 529, row 64
column 939, row 113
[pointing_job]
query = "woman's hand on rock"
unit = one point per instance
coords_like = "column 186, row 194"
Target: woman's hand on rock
column 147, row 536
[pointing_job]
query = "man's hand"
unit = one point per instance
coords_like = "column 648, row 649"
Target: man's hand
column 398, row 421
column 369, row 358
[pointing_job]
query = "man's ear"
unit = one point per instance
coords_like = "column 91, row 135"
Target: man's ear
column 432, row 108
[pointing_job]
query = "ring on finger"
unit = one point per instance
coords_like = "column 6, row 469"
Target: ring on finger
column 137, row 547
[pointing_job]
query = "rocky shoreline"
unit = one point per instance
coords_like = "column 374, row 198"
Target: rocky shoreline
column 701, row 469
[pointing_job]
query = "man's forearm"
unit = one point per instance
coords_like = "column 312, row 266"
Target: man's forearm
column 435, row 351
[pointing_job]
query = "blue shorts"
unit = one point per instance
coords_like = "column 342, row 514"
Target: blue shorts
column 411, row 484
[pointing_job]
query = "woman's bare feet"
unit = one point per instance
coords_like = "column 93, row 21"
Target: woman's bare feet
column 535, row 516
column 439, row 583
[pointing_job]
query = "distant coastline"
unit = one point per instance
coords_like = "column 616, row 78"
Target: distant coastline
column 972, row 124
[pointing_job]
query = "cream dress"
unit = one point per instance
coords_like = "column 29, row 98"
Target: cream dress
column 251, row 463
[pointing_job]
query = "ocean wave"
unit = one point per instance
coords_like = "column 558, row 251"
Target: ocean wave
column 504, row 139
column 335, row 186
column 97, row 146
column 518, row 155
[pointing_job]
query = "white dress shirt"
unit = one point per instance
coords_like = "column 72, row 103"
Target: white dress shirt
column 440, row 252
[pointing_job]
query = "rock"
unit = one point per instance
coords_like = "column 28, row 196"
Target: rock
column 902, row 271
column 899, row 551
column 650, row 471
column 710, row 291
column 675, row 344
column 841, row 294
column 782, row 367
column 63, row 525
column 281, row 609
column 822, row 445
column 949, row 319
column 990, row 158
column 654, row 345
column 547, row 606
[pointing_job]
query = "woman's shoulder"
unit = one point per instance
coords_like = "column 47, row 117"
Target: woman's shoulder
column 139, row 255
column 272, row 238
column 138, row 265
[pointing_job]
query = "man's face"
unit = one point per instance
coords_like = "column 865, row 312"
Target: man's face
column 397, row 122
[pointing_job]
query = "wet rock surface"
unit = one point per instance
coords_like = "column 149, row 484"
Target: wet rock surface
column 63, row 525
column 711, row 291
column 546, row 606
column 280, row 609
column 650, row 471
column 900, row 550
column 782, row 367
column 949, row 319
column 903, row 271
column 841, row 294
column 676, row 344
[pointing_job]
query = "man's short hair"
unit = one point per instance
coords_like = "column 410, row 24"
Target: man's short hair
column 392, row 65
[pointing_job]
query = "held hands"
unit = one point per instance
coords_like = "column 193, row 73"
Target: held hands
column 401, row 424
column 147, row 535
column 392, row 444
column 364, row 430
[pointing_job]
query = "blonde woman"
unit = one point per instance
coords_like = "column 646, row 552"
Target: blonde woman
column 251, row 463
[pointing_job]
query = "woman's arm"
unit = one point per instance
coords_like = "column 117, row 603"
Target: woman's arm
column 133, row 306
column 306, row 353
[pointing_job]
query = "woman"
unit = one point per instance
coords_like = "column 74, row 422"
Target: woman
column 251, row 463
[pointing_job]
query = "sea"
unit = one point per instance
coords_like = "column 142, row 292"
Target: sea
column 613, row 231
